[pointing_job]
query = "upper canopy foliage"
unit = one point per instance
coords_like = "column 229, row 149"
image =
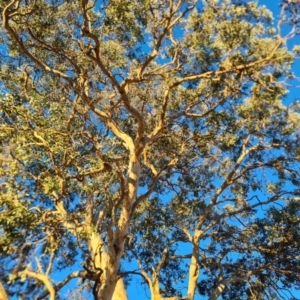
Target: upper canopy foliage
column 149, row 137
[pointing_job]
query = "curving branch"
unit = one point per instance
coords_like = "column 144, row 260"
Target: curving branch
column 213, row 74
column 45, row 279
column 6, row 16
column 3, row 294
column 77, row 274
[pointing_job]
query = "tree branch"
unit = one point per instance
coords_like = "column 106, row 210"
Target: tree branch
column 212, row 74
column 81, row 274
column 45, row 279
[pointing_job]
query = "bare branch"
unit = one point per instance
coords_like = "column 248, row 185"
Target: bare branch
column 80, row 274
column 45, row 279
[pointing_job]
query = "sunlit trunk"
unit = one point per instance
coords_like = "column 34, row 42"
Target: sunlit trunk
column 110, row 287
column 193, row 276
column 114, row 288
column 3, row 295
column 155, row 290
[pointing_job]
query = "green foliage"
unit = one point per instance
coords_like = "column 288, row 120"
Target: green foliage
column 159, row 127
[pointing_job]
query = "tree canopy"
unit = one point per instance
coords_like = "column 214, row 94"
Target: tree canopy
column 149, row 141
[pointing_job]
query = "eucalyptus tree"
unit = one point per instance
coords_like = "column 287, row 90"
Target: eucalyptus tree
column 148, row 140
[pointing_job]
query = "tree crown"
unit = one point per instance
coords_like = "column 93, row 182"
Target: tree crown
column 132, row 128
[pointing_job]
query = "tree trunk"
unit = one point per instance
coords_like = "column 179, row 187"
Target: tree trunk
column 3, row 294
column 217, row 291
column 110, row 287
column 193, row 276
column 115, row 287
column 120, row 291
column 155, row 290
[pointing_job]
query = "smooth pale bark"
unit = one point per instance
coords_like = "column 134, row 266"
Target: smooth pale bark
column 3, row 294
column 101, row 260
column 193, row 276
column 110, row 287
column 155, row 290
column 194, row 269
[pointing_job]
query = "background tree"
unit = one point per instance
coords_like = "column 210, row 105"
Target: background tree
column 148, row 138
